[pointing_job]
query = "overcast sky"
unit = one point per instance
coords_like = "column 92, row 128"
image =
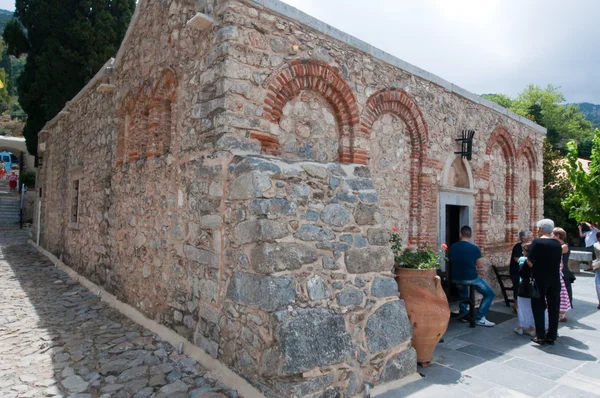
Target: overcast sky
column 484, row 46
column 7, row 5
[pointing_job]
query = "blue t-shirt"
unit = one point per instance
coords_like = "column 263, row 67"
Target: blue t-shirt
column 463, row 256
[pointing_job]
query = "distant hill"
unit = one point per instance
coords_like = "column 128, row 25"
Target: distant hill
column 591, row 112
column 5, row 16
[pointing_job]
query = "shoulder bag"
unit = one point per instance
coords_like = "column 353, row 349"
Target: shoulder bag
column 533, row 288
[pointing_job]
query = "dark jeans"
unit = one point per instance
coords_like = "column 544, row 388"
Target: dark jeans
column 550, row 295
column 482, row 288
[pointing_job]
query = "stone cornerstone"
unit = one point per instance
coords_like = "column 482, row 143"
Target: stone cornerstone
column 234, row 174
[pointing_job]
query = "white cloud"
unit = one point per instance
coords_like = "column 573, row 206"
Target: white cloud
column 481, row 45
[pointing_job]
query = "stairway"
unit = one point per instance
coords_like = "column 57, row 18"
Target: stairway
column 10, row 205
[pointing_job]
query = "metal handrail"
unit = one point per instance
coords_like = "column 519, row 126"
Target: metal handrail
column 22, row 205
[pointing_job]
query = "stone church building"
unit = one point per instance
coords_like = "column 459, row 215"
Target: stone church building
column 235, row 172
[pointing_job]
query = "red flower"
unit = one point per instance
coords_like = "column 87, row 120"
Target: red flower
column 408, row 245
column 394, row 229
column 444, row 246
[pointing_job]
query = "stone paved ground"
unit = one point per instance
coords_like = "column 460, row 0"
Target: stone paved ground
column 498, row 363
column 57, row 339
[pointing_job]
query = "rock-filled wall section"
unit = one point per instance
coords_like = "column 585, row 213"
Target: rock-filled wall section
column 311, row 288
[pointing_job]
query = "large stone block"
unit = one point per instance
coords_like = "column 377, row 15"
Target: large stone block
column 388, row 327
column 336, row 215
column 365, row 214
column 260, row 231
column 268, row 258
column 249, row 163
column 316, row 288
column 379, row 236
column 384, row 287
column 303, row 388
column 400, row 366
column 249, row 186
column 310, row 232
column 369, row 259
column 315, row 337
column 202, row 256
column 350, row 297
column 265, row 292
column 278, row 207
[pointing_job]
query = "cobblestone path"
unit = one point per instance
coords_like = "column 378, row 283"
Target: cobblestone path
column 57, row 339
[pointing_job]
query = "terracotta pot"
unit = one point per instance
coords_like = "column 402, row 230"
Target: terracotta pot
column 427, row 308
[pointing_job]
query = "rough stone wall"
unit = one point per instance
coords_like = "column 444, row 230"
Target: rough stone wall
column 182, row 217
column 311, row 289
column 282, row 58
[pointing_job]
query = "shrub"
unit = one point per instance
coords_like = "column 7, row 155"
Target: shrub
column 28, row 178
column 415, row 257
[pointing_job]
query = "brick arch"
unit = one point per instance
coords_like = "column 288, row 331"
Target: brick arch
column 400, row 103
column 161, row 114
column 125, row 112
column 500, row 137
column 136, row 142
column 287, row 82
column 527, row 151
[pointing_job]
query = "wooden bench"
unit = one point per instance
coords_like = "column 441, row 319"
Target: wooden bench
column 503, row 275
column 453, row 298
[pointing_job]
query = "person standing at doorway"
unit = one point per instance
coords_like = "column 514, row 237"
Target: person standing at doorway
column 465, row 258
column 517, row 253
column 590, row 238
column 544, row 260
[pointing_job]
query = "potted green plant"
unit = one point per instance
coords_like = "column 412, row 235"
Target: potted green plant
column 422, row 292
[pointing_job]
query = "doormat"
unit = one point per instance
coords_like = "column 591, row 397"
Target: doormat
column 499, row 317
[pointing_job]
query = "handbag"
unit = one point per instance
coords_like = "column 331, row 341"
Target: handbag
column 524, row 289
column 596, row 265
column 534, row 289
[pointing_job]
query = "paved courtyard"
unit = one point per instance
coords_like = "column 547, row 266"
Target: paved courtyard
column 57, row 339
column 495, row 362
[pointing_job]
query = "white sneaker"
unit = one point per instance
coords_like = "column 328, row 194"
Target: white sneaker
column 518, row 331
column 485, row 322
column 531, row 332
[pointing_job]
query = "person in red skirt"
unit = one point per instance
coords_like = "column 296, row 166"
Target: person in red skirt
column 12, row 181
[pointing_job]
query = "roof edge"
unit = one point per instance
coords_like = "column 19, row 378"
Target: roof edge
column 301, row 17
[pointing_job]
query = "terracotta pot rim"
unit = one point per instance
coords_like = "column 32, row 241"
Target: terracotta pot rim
column 414, row 270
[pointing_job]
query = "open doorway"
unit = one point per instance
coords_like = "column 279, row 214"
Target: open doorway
column 456, row 218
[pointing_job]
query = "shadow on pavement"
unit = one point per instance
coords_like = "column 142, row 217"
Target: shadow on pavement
column 57, row 339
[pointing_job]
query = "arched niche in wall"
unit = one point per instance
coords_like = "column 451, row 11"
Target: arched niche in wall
column 393, row 133
column 137, row 141
column 457, row 174
column 527, row 185
column 316, row 111
column 500, row 168
column 162, row 114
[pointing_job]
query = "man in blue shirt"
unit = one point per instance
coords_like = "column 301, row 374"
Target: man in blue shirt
column 465, row 257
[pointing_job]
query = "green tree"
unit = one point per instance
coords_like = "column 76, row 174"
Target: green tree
column 500, row 99
column 67, row 42
column 546, row 106
column 564, row 123
column 583, row 201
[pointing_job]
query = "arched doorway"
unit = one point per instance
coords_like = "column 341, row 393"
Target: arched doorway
column 456, row 200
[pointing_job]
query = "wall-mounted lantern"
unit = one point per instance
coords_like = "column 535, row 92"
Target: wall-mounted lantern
column 466, row 144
